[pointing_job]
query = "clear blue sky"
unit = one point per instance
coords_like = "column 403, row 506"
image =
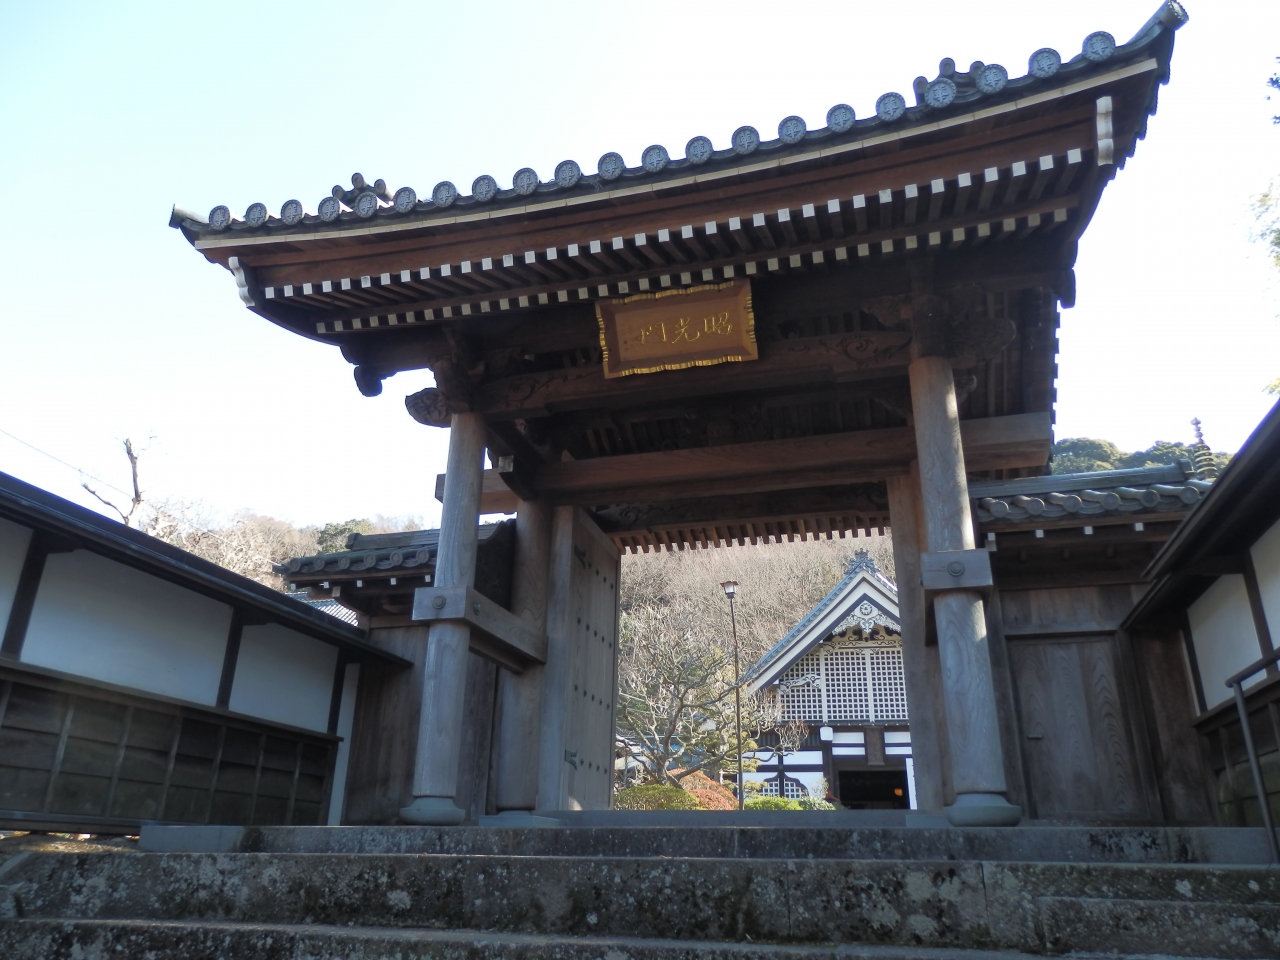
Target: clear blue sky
column 112, row 326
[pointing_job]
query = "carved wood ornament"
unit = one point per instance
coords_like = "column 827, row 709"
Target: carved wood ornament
column 954, row 323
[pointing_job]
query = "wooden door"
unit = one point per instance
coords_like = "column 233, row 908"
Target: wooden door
column 581, row 671
column 1079, row 757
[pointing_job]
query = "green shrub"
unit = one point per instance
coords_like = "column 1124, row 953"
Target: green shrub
column 655, row 796
column 814, row 803
column 771, row 803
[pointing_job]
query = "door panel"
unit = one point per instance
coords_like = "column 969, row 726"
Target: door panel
column 1079, row 759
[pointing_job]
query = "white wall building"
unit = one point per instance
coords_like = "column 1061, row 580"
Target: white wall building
column 139, row 683
column 840, row 672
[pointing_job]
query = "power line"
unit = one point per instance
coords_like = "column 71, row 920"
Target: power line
column 71, row 466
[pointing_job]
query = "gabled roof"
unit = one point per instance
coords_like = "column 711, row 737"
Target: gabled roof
column 951, row 94
column 863, row 597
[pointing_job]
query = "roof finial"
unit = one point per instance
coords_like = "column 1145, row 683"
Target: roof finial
column 1206, row 469
column 862, row 560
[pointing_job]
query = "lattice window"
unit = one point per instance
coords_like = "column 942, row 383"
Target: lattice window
column 800, row 691
column 850, row 679
column 791, row 789
column 846, row 677
column 888, row 685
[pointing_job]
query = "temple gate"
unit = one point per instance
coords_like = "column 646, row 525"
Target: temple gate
column 823, row 333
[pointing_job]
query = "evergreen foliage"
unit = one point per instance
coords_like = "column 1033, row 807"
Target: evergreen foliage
column 772, row 803
column 815, row 803
column 332, row 537
column 1085, row 455
column 655, row 796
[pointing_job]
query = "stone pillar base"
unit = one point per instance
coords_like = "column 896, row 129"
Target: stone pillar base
column 432, row 811
column 983, row 810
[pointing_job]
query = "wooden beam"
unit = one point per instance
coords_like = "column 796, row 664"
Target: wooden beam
column 24, row 597
column 496, row 633
column 853, row 498
column 996, row 443
column 495, row 495
column 833, row 359
column 866, row 455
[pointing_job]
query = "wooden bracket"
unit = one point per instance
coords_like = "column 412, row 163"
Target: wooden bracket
column 956, row 570
column 518, row 476
column 496, row 633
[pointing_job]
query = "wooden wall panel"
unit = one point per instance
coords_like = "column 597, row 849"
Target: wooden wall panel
column 1006, row 708
column 477, row 738
column 87, row 758
column 921, row 668
column 384, row 733
column 1065, row 610
column 1079, row 756
column 1184, row 781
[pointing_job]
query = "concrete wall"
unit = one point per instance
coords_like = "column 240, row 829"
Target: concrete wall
column 13, row 552
column 1266, row 563
column 103, row 620
column 1223, row 635
column 284, row 676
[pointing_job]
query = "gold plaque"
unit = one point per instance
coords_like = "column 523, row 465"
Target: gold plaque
column 674, row 329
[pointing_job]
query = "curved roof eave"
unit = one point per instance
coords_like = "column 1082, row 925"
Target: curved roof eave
column 952, row 97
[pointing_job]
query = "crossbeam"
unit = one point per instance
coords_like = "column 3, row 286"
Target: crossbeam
column 993, row 443
column 496, row 633
column 832, row 359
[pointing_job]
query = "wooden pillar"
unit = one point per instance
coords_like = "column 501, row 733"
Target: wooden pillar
column 920, row 662
column 553, row 770
column 520, row 700
column 444, row 682
column 973, row 735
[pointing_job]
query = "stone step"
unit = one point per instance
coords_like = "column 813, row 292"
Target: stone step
column 945, row 904
column 110, row 940
column 809, row 840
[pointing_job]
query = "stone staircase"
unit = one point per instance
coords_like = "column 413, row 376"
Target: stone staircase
column 645, row 893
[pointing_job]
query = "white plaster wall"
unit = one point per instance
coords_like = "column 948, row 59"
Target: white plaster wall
column 346, row 715
column 13, row 553
column 98, row 618
column 1266, row 563
column 284, row 676
column 1223, row 635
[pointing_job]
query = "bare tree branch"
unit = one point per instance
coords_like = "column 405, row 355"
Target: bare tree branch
column 123, row 516
column 126, row 518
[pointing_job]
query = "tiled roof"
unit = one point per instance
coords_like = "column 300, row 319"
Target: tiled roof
column 1173, row 487
column 951, row 93
column 331, row 607
column 413, row 549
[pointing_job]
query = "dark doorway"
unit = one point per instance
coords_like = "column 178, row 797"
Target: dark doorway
column 874, row 789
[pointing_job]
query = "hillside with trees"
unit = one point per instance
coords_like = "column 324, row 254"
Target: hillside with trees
column 1085, row 455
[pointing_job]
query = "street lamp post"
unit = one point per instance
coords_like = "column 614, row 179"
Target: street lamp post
column 730, row 588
